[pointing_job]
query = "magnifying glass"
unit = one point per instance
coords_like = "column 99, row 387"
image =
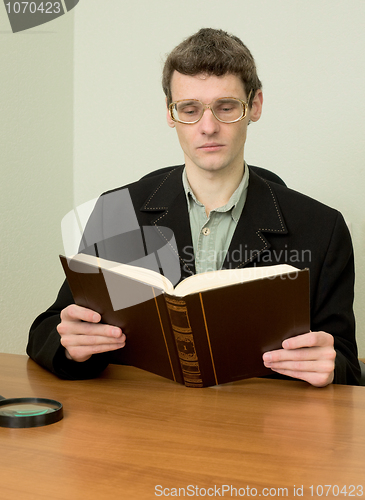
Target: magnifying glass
column 29, row 412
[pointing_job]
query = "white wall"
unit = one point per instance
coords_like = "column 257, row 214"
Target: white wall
column 310, row 57
column 36, row 137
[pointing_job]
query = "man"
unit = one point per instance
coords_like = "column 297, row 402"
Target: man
column 216, row 205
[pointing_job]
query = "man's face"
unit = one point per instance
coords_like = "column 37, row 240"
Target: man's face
column 210, row 144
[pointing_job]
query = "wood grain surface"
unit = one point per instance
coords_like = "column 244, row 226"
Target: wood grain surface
column 133, row 435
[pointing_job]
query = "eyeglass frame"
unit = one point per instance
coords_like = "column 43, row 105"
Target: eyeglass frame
column 209, row 106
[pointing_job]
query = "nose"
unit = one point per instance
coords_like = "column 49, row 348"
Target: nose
column 208, row 123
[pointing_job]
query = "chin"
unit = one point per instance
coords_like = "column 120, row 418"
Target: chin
column 213, row 168
column 211, row 165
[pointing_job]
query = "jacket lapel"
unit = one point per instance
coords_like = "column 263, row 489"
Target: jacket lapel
column 261, row 215
column 168, row 208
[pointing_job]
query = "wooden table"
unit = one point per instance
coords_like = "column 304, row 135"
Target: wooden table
column 133, row 435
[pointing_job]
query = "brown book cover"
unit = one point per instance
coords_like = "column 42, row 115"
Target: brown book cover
column 204, row 338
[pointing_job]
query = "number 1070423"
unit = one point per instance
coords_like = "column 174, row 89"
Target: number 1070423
column 329, row 490
column 33, row 7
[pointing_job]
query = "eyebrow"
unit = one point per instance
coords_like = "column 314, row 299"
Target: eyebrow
column 223, row 99
column 188, row 101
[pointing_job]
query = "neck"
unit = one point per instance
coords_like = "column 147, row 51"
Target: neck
column 214, row 188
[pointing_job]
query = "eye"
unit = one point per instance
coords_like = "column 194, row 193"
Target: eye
column 227, row 106
column 188, row 110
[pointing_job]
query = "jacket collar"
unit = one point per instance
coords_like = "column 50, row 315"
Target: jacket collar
column 168, row 208
column 261, row 216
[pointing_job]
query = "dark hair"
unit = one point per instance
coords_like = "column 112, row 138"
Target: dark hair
column 213, row 52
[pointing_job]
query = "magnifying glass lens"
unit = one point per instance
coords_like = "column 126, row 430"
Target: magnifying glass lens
column 29, row 412
column 25, row 410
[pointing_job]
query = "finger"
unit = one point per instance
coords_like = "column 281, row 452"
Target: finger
column 88, row 329
column 314, row 378
column 83, row 353
column 300, row 354
column 78, row 313
column 310, row 339
column 90, row 340
column 323, row 366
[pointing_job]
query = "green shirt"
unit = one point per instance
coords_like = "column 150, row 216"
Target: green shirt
column 212, row 234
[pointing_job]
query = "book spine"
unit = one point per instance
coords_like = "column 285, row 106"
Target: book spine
column 184, row 340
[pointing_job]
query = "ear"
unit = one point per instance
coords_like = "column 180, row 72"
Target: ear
column 256, row 108
column 170, row 121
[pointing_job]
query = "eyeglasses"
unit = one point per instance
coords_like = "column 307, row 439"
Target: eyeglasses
column 225, row 110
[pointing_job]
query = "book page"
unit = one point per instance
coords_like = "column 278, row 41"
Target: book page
column 134, row 272
column 192, row 284
column 225, row 277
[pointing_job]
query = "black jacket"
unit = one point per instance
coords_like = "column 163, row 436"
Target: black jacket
column 277, row 226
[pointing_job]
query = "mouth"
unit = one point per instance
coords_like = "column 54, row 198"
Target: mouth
column 211, row 146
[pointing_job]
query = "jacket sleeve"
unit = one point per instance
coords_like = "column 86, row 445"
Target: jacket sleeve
column 332, row 310
column 45, row 348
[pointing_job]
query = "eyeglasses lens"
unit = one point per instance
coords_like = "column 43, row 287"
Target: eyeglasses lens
column 226, row 110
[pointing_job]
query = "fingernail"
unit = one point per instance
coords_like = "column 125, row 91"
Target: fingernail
column 116, row 332
column 267, row 357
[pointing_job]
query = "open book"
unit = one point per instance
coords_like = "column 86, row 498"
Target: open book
column 212, row 328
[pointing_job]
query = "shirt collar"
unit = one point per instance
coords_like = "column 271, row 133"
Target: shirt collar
column 236, row 202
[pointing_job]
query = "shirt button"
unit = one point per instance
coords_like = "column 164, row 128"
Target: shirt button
column 206, row 231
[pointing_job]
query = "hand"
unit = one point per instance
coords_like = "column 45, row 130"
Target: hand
column 309, row 357
column 82, row 335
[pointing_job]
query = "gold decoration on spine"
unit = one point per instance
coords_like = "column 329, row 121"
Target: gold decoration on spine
column 184, row 341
